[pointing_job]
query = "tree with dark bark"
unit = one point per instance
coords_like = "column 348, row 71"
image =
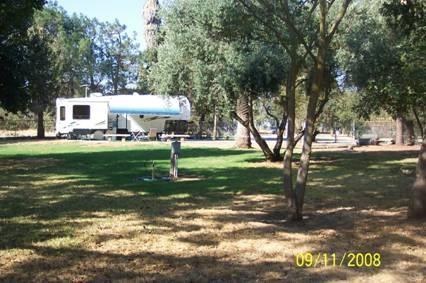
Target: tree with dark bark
column 16, row 17
column 41, row 79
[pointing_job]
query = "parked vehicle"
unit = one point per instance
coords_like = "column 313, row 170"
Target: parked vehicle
column 97, row 114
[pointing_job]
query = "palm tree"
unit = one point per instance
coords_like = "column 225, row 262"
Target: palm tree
column 151, row 22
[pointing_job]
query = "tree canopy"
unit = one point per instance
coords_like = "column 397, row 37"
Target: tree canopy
column 383, row 56
column 16, row 17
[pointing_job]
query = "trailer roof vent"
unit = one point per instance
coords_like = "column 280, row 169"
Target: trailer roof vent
column 96, row 94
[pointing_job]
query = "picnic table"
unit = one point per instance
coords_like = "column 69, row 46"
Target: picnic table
column 122, row 136
column 165, row 137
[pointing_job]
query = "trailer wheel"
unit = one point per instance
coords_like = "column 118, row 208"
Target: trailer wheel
column 98, row 135
column 71, row 136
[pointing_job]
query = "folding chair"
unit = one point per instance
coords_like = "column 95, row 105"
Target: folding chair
column 138, row 136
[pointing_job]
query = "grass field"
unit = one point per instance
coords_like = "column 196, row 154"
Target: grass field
column 76, row 211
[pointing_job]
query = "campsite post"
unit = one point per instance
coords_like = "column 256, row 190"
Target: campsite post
column 174, row 155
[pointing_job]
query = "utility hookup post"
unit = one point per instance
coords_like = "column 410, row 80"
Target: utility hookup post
column 174, row 155
column 153, row 171
column 353, row 131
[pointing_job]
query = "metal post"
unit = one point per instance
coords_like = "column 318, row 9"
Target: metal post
column 353, row 130
column 175, row 172
column 215, row 124
column 174, row 155
column 153, row 173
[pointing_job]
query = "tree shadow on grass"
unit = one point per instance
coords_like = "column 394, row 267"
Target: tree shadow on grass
column 242, row 204
column 364, row 180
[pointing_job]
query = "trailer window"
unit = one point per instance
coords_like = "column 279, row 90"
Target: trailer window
column 81, row 112
column 62, row 113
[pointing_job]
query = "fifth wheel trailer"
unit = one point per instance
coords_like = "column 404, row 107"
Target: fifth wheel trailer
column 97, row 115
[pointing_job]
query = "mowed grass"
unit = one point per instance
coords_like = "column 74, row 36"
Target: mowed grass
column 77, row 211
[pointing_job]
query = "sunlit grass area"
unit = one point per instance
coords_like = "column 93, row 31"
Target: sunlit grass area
column 79, row 211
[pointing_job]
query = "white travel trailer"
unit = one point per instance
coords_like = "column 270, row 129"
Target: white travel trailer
column 97, row 115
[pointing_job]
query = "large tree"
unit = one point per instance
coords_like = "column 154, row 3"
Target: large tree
column 408, row 19
column 305, row 29
column 384, row 57
column 78, row 50
column 54, row 66
column 61, row 33
column 258, row 76
column 16, row 17
column 191, row 62
column 385, row 62
column 152, row 23
column 219, row 72
column 120, row 56
column 91, row 63
column 42, row 84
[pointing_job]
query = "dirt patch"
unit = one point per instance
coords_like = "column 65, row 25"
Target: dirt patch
column 394, row 148
column 189, row 178
column 266, row 164
column 248, row 241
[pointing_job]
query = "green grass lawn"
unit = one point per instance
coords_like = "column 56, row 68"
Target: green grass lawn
column 77, row 211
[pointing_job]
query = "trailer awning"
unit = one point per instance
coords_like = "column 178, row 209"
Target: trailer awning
column 145, row 105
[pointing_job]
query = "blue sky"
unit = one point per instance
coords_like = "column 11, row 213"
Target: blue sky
column 128, row 12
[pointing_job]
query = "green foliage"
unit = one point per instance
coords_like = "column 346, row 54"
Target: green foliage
column 101, row 55
column 340, row 111
column 62, row 52
column 146, row 60
column 119, row 55
column 198, row 59
column 15, row 18
column 384, row 57
column 187, row 58
column 42, row 80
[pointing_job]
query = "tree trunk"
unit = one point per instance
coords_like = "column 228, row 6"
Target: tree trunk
column 291, row 124
column 281, row 125
column 409, row 133
column 419, row 123
column 200, row 126
column 250, row 125
column 151, row 22
column 259, row 140
column 214, row 125
column 242, row 139
column 40, row 125
column 399, row 138
column 317, row 88
column 417, row 205
column 280, row 137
